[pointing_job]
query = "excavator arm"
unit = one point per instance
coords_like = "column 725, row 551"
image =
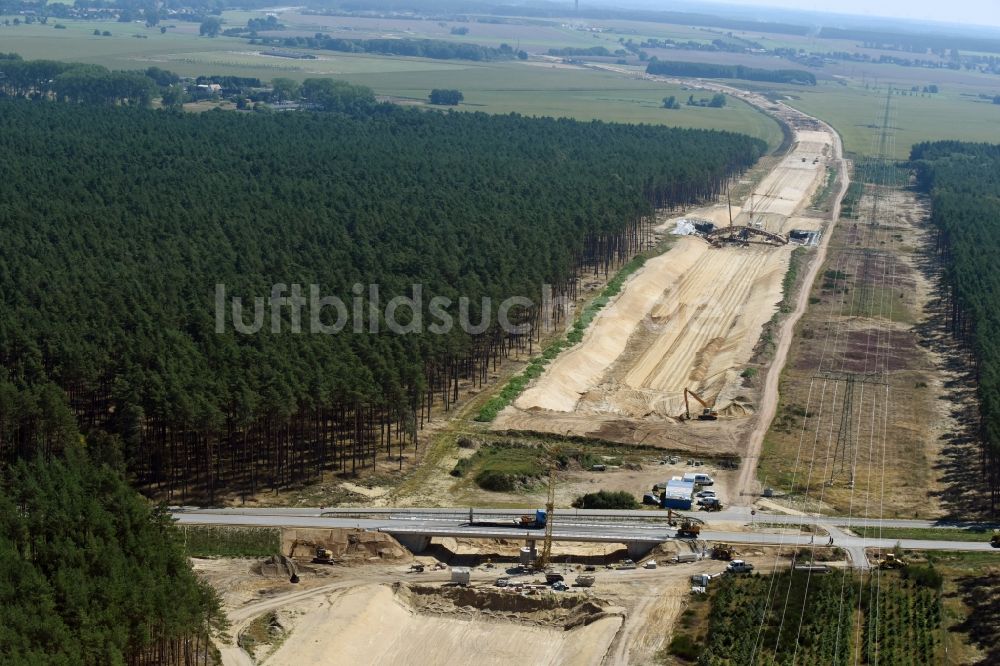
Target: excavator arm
column 708, row 414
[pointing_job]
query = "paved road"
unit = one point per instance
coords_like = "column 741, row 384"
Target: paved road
column 627, row 527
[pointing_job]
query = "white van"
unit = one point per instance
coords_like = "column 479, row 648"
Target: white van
column 699, row 479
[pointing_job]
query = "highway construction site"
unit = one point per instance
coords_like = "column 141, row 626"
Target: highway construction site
column 688, row 323
column 609, row 613
column 659, row 370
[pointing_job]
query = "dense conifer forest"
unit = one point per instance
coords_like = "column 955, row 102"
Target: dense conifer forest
column 117, row 223
column 964, row 183
column 89, row 573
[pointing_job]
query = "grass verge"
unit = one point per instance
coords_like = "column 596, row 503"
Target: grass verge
column 925, row 533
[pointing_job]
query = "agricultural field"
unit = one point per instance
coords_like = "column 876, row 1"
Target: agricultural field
column 950, row 114
column 886, row 617
column 535, row 88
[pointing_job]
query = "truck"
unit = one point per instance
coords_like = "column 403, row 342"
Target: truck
column 532, row 522
column 739, row 566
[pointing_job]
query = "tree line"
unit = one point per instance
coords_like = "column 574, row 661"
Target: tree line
column 437, row 49
column 963, row 180
column 706, row 70
column 78, row 82
column 116, row 225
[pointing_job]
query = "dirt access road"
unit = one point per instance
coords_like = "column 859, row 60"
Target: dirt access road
column 690, row 318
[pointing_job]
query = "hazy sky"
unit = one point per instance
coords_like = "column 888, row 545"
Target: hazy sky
column 981, row 12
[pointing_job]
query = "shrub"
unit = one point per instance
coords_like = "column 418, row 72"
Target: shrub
column 924, row 576
column 606, row 499
column 683, row 646
column 496, row 480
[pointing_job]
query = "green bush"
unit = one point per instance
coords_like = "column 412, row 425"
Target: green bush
column 684, row 646
column 924, row 576
column 497, row 481
column 502, row 467
column 606, row 499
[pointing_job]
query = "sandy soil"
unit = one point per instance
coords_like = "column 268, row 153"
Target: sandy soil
column 370, row 614
column 689, row 319
column 370, row 624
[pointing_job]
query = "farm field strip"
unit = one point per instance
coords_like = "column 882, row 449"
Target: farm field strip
column 872, row 422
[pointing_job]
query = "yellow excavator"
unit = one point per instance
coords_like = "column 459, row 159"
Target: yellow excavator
column 688, row 527
column 707, row 413
column 891, row 562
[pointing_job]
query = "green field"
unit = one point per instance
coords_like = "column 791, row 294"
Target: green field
column 497, row 87
column 949, row 114
column 848, row 95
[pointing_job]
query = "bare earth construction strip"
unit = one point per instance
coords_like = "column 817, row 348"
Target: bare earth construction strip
column 690, row 318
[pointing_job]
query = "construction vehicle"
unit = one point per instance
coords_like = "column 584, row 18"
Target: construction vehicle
column 323, row 556
column 707, row 413
column 890, row 561
column 550, row 506
column 687, row 527
column 739, row 566
column 995, row 541
column 537, row 521
column 723, row 551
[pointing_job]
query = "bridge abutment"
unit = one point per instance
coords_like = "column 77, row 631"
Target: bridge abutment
column 639, row 549
column 415, row 543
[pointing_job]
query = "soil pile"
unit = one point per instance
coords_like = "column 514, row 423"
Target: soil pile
column 348, row 545
column 373, row 624
column 275, row 566
column 564, row 611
